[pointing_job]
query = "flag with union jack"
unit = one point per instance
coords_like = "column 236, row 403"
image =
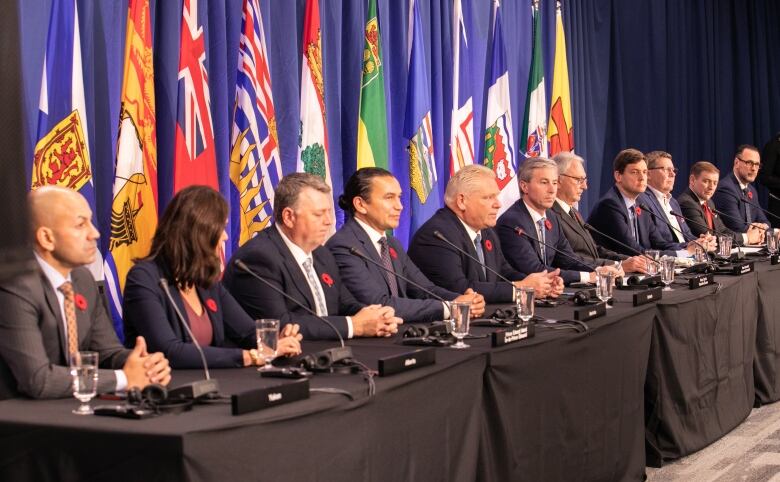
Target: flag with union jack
column 255, row 167
column 461, row 128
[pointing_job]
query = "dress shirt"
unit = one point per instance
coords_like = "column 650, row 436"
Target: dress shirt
column 701, row 202
column 536, row 217
column 663, row 200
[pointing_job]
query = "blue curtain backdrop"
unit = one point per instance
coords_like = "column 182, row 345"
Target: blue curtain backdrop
column 694, row 78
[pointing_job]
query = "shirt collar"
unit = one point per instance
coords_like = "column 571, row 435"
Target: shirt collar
column 298, row 253
column 564, row 205
column 662, row 198
column 534, row 215
column 55, row 277
column 741, row 186
column 373, row 234
column 628, row 202
column 472, row 234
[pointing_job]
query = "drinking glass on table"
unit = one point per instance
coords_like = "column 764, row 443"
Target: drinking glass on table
column 461, row 313
column 653, row 266
column 724, row 245
column 267, row 330
column 605, row 283
column 524, row 304
column 667, row 271
column 84, row 370
column 771, row 241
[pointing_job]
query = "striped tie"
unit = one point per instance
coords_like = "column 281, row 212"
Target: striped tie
column 66, row 289
column 316, row 288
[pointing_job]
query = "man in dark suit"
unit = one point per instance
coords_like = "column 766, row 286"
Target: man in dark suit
column 531, row 214
column 467, row 221
column 372, row 197
column 290, row 256
column 696, row 204
column 618, row 215
column 736, row 197
column 572, row 182
column 56, row 311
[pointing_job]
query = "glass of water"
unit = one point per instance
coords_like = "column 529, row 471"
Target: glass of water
column 724, row 245
column 605, row 284
column 771, row 241
column 461, row 313
column 84, row 370
column 267, row 340
column 700, row 256
column 652, row 266
column 667, row 272
column 524, row 304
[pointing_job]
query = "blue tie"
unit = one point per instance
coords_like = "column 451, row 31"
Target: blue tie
column 542, row 247
column 480, row 252
column 632, row 216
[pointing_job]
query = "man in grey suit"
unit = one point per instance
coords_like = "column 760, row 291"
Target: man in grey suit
column 57, row 310
column 572, row 182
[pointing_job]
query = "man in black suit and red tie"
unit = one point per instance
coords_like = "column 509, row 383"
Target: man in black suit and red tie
column 736, row 197
column 467, row 221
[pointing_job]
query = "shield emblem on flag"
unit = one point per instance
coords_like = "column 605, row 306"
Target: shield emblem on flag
column 61, row 156
column 498, row 153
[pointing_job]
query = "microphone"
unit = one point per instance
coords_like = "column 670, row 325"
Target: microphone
column 199, row 388
column 754, row 205
column 635, row 251
column 472, row 257
column 521, row 232
column 671, row 226
column 701, row 225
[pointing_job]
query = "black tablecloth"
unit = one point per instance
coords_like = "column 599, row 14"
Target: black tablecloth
column 766, row 368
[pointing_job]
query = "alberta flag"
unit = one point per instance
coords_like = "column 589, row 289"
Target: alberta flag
column 418, row 130
column 535, row 121
column 255, row 167
column 62, row 150
column 461, row 129
column 499, row 152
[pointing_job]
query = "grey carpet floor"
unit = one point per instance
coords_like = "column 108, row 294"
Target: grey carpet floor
column 750, row 452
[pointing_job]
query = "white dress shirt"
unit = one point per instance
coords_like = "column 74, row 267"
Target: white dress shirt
column 535, row 216
column 664, row 201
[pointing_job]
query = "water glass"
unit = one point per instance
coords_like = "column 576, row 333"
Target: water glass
column 771, row 241
column 667, row 271
column 461, row 313
column 724, row 245
column 700, row 256
column 652, row 266
column 84, row 370
column 524, row 304
column 605, row 283
column 267, row 340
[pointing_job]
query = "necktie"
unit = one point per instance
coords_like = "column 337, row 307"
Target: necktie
column 480, row 252
column 542, row 249
column 384, row 253
column 66, row 289
column 748, row 214
column 575, row 216
column 632, row 216
column 316, row 288
column 708, row 215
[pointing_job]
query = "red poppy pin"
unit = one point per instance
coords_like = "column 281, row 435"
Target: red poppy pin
column 637, row 210
column 750, row 194
column 548, row 224
column 81, row 302
column 325, row 277
column 488, row 245
column 211, row 305
column 393, row 254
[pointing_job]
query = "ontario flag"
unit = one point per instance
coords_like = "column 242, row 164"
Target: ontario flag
column 499, row 152
column 134, row 208
column 461, row 128
column 313, row 139
column 255, row 167
column 61, row 154
column 535, row 118
column 194, row 158
column 418, row 131
column 560, row 128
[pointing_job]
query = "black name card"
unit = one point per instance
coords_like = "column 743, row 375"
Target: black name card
column 700, row 280
column 421, row 357
column 589, row 312
column 647, row 296
column 260, row 398
column 511, row 335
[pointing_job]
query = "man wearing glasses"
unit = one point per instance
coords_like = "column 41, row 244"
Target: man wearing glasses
column 736, row 197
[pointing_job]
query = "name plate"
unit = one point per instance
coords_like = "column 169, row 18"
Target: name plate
column 774, row 259
column 647, row 296
column 700, row 280
column 260, row 398
column 406, row 361
column 512, row 335
column 589, row 312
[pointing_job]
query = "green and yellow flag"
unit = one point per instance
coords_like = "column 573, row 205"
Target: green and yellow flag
column 372, row 125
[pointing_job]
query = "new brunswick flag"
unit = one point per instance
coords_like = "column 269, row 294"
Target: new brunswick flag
column 372, row 125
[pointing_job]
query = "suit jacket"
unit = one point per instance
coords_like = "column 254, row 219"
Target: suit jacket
column 732, row 202
column 691, row 208
column 33, row 349
column 450, row 269
column 582, row 242
column 367, row 281
column 148, row 312
column 660, row 219
column 525, row 255
column 268, row 256
column 611, row 217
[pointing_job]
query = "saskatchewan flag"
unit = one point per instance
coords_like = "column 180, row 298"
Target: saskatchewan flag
column 372, row 125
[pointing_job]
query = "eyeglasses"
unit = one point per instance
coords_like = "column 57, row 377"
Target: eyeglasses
column 751, row 164
column 668, row 170
column 578, row 180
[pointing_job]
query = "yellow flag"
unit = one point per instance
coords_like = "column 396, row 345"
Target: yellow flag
column 560, row 130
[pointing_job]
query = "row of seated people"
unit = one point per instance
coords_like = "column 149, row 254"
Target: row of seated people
column 56, row 310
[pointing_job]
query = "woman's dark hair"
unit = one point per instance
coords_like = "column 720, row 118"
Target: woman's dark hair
column 185, row 242
column 359, row 184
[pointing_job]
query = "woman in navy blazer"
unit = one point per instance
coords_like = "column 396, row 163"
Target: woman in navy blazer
column 185, row 252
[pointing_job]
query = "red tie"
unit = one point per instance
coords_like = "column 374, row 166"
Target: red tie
column 707, row 214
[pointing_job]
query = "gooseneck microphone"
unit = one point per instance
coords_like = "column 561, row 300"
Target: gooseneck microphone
column 589, row 227
column 199, row 388
column 472, row 257
column 671, row 226
column 749, row 203
column 521, row 232
column 701, row 225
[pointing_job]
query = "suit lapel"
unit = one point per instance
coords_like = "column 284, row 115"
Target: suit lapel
column 369, row 249
column 331, row 294
column 528, row 224
column 577, row 228
column 468, row 245
column 54, row 307
column 293, row 269
column 215, row 317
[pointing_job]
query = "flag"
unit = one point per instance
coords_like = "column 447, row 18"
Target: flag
column 134, row 208
column 535, row 116
column 61, row 154
column 195, row 155
column 461, row 128
column 561, row 130
column 255, row 167
column 313, row 139
column 499, row 152
column 418, row 130
column 372, row 124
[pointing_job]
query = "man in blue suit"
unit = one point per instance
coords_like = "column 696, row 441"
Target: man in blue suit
column 372, row 197
column 467, row 222
column 736, row 197
column 532, row 214
column 618, row 215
